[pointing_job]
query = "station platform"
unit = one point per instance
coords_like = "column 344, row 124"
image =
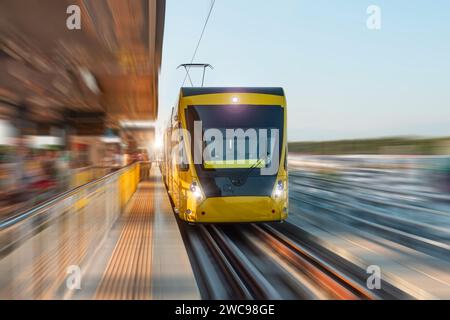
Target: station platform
column 144, row 256
column 140, row 256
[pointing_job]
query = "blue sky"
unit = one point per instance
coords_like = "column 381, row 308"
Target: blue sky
column 341, row 79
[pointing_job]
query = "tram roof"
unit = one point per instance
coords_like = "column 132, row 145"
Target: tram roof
column 195, row 91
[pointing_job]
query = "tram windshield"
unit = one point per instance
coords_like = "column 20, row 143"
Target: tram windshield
column 235, row 137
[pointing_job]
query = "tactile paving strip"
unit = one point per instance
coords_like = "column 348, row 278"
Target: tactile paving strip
column 128, row 274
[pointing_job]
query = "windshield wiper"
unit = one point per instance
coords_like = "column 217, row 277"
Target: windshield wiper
column 241, row 180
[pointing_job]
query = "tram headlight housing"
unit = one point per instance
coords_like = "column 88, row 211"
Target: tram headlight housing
column 196, row 191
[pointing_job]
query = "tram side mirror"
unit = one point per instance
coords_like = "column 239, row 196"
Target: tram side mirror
column 183, row 167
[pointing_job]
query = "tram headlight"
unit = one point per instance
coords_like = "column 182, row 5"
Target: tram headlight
column 195, row 189
column 279, row 189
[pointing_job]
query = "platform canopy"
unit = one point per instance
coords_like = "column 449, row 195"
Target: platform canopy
column 109, row 67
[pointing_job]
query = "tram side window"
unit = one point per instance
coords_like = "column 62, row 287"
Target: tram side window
column 182, row 157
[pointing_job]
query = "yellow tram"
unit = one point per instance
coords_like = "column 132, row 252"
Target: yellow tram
column 225, row 155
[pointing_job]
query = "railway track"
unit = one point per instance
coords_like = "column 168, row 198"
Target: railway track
column 258, row 261
column 351, row 274
column 222, row 271
column 337, row 283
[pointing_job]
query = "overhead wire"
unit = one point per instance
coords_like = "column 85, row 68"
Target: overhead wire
column 213, row 2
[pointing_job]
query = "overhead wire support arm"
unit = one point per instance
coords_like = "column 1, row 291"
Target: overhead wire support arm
column 188, row 66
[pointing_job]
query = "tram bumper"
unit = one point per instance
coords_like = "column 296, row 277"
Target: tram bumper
column 239, row 209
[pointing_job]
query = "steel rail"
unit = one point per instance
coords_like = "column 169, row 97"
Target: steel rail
column 340, row 283
column 223, row 270
column 353, row 270
column 254, row 280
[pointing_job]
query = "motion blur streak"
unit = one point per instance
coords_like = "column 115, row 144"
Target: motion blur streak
column 81, row 186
